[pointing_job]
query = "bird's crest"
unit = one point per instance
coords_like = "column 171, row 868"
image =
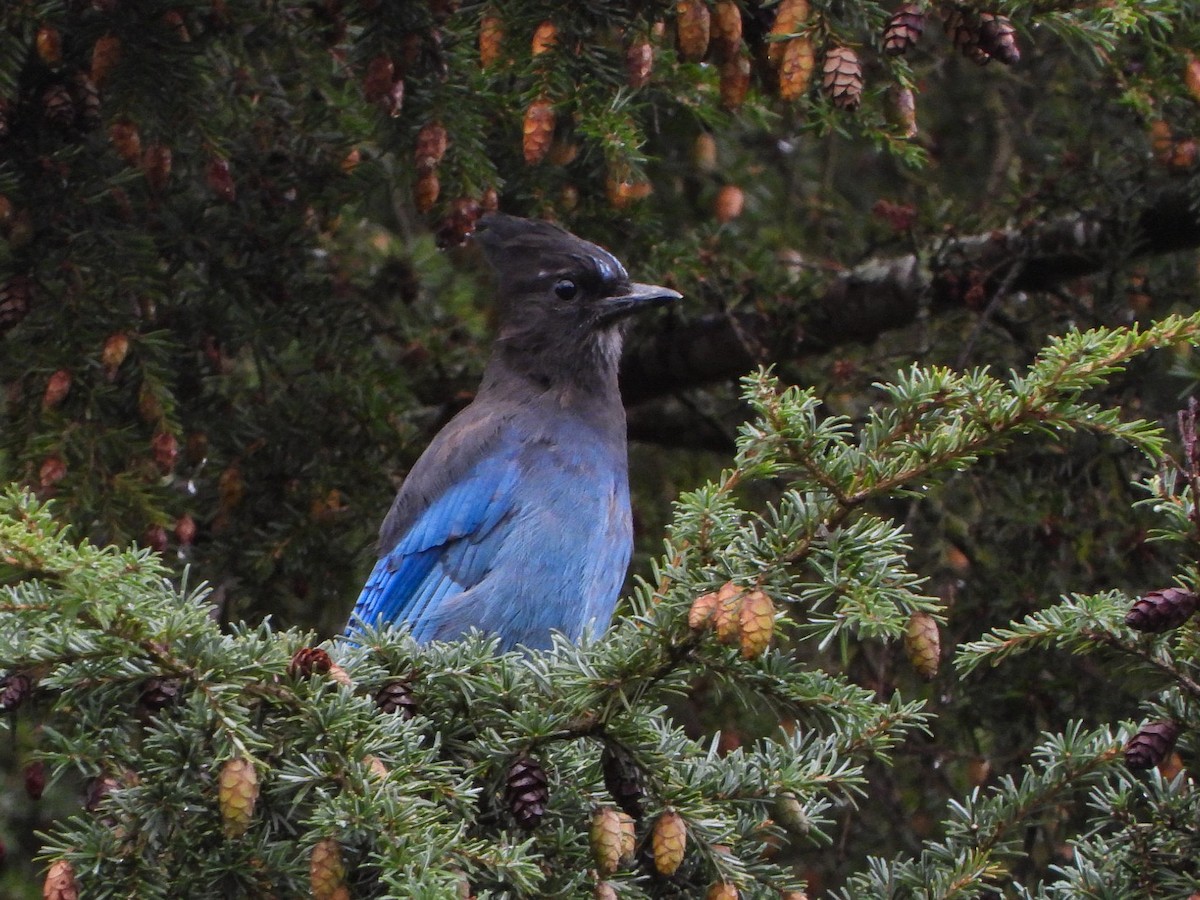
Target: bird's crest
column 521, row 249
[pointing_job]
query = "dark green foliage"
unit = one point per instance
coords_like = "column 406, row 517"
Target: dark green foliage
column 231, row 354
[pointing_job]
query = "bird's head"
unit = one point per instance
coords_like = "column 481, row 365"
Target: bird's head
column 560, row 296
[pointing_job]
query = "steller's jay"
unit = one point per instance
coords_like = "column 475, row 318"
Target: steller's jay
column 516, row 518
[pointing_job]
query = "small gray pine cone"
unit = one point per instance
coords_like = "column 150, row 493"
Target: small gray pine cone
column 841, row 77
column 1159, row 611
column 1151, row 744
column 623, row 780
column 526, row 792
column 396, row 697
column 14, row 688
column 903, row 29
column 998, row 38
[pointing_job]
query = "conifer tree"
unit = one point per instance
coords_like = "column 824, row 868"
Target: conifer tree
column 226, row 328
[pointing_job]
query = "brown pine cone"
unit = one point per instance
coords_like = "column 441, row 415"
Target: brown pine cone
column 14, row 688
column 1151, row 744
column 668, row 841
column 309, row 661
column 623, row 779
column 527, row 791
column 693, row 28
column 998, row 38
column 726, row 36
column 1159, row 611
column 396, row 697
column 158, row 693
column 903, row 29
column 841, row 77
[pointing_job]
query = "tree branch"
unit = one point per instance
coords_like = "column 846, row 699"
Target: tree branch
column 882, row 295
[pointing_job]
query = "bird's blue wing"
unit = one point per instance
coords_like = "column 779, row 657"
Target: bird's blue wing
column 445, row 550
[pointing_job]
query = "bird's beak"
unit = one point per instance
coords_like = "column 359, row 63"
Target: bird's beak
column 638, row 297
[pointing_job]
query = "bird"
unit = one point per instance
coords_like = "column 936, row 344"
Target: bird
column 516, row 519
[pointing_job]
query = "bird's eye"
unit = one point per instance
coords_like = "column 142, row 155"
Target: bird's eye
column 566, row 289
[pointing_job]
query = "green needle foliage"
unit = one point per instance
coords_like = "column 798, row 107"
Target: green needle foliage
column 141, row 695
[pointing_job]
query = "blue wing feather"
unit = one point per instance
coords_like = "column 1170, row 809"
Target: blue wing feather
column 444, row 552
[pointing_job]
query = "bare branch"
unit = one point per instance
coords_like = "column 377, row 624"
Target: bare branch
column 882, row 295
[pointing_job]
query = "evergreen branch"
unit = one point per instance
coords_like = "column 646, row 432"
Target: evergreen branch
column 980, row 828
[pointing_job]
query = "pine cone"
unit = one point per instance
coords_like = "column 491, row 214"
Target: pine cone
column 604, row 891
column 60, row 882
column 606, row 840
column 426, row 191
column 375, row 767
column 158, row 693
column 722, row 890
column 962, row 26
column 693, row 28
column 903, row 29
column 35, row 779
column 796, row 68
column 396, row 697
column 127, row 141
column 923, row 644
column 237, row 795
column 14, row 688
column 48, row 42
column 15, row 295
column 57, row 106
column 460, row 223
column 998, row 38
column 1151, row 744
column 668, row 841
column 1191, row 75
column 639, row 62
column 526, row 792
column 106, row 53
column 432, row 143
column 491, row 39
column 622, row 779
column 156, row 166
column 727, row 617
column 1159, row 611
column 628, row 837
column 841, row 77
column 86, row 99
column 219, row 179
column 902, row 109
column 377, row 82
column 309, row 661
column 545, row 36
column 703, row 607
column 326, row 870
column 538, row 130
column 99, row 788
column 756, row 624
column 790, row 17
column 735, row 81
column 726, row 32
column 789, row 813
